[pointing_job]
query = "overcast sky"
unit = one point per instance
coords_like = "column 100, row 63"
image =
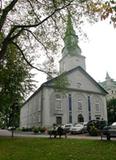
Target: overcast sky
column 99, row 50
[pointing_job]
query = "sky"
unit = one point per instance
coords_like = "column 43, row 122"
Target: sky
column 99, row 50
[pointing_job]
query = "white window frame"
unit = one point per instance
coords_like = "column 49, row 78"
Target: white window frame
column 97, row 107
column 58, row 102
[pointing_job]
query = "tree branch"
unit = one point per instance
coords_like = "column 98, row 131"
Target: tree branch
column 40, row 70
column 37, row 41
column 45, row 19
column 17, row 34
column 3, row 18
column 6, row 11
column 7, row 40
column 33, row 9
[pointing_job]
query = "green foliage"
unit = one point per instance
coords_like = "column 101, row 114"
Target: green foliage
column 94, row 127
column 39, row 129
column 15, row 82
column 36, row 130
column 26, row 129
column 43, row 129
column 106, row 9
column 61, row 83
column 93, row 131
column 111, row 110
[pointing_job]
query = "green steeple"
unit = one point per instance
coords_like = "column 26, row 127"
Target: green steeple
column 71, row 40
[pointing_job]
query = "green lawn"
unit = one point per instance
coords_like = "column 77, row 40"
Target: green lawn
column 56, row 149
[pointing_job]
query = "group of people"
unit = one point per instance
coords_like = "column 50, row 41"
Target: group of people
column 57, row 131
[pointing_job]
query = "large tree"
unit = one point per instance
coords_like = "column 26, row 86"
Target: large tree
column 35, row 27
column 31, row 29
column 15, row 83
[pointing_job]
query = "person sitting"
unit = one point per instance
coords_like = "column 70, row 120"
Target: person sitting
column 60, row 131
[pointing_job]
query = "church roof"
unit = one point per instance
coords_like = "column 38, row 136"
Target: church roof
column 84, row 72
column 70, row 40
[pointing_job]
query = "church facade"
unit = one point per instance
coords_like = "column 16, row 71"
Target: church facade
column 82, row 99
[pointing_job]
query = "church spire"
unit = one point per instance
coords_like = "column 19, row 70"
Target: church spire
column 71, row 53
column 71, row 40
column 107, row 76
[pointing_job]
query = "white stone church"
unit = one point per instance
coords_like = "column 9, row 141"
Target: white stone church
column 83, row 100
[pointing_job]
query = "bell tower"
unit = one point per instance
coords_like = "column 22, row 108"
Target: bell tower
column 71, row 53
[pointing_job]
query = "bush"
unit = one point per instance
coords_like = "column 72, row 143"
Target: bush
column 26, row 129
column 94, row 127
column 18, row 129
column 36, row 129
column 43, row 130
column 93, row 131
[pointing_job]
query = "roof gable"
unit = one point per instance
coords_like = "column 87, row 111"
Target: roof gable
column 79, row 79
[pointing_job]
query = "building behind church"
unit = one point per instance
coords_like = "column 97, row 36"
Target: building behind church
column 110, row 86
column 83, row 99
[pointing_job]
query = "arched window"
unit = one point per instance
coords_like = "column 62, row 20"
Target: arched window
column 97, row 104
column 80, row 118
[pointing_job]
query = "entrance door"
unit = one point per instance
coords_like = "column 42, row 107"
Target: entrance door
column 80, row 118
column 58, row 120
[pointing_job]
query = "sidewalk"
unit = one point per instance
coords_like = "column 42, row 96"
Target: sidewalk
column 31, row 134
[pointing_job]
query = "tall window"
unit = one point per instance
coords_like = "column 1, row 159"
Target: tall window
column 97, row 107
column 70, row 117
column 58, row 103
column 79, row 105
column 89, row 107
column 70, row 102
column 89, row 104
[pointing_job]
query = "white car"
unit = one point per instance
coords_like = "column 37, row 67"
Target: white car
column 114, row 124
column 77, row 128
column 67, row 127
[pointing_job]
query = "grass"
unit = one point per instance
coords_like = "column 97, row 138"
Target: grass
column 56, row 149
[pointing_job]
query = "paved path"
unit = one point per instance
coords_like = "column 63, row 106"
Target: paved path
column 30, row 134
column 4, row 132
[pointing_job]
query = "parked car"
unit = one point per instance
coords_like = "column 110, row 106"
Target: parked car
column 78, row 128
column 11, row 128
column 85, row 126
column 110, row 130
column 114, row 124
column 67, row 127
